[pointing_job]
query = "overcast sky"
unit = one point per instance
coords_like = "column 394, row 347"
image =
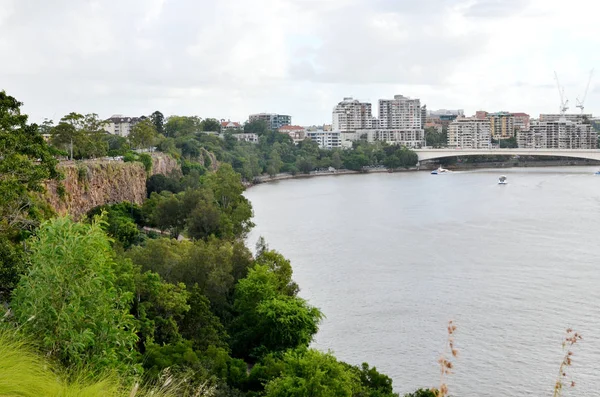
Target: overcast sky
column 229, row 58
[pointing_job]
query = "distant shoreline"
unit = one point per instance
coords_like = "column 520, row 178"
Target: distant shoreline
column 428, row 167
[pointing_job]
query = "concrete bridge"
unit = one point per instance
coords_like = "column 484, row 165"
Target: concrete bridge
column 430, row 154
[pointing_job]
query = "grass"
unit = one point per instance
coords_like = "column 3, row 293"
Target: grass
column 24, row 373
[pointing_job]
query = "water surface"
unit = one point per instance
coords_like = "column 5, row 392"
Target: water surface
column 390, row 258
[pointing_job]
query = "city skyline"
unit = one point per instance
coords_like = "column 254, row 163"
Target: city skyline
column 294, row 57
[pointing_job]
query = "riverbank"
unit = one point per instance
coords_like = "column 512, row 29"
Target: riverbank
column 426, row 167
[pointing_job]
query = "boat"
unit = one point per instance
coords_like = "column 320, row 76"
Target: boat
column 597, row 172
column 440, row 170
column 502, row 180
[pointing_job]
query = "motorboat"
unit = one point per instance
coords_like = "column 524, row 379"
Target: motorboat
column 439, row 171
column 597, row 172
column 502, row 180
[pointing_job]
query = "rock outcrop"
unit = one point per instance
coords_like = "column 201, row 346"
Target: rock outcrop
column 91, row 183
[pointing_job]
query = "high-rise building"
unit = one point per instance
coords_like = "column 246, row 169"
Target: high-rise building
column 274, row 121
column 560, row 134
column 521, row 121
column 502, row 125
column 400, row 113
column 351, row 114
column 469, row 133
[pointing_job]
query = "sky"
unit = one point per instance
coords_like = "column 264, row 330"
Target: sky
column 227, row 59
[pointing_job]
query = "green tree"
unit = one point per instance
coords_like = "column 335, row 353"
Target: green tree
column 236, row 210
column 143, row 134
column 158, row 119
column 268, row 320
column 275, row 163
column 182, row 125
column 211, row 125
column 423, row 393
column 200, row 325
column 159, row 305
column 26, row 162
column 68, row 302
column 312, row 373
column 259, row 127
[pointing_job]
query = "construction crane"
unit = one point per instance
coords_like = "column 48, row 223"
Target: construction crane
column 581, row 102
column 564, row 102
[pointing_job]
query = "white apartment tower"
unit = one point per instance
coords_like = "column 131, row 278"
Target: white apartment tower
column 469, row 133
column 400, row 113
column 351, row 115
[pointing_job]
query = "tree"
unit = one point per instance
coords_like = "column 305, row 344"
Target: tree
column 236, row 210
column 82, row 136
column 259, row 127
column 26, row 162
column 182, row 125
column 200, row 325
column 68, row 302
column 158, row 119
column 312, row 373
column 211, row 125
column 275, row 163
column 270, row 321
column 336, row 161
column 143, row 134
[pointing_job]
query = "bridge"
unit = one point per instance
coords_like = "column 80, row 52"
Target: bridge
column 431, row 154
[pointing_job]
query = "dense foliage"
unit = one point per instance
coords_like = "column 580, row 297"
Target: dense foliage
column 112, row 297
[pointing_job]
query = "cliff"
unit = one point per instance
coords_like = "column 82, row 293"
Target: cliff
column 87, row 184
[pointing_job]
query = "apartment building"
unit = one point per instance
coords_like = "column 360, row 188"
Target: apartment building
column 274, row 121
column 576, row 118
column 351, row 114
column 502, row 125
column 413, row 138
column 470, row 133
column 560, row 134
column 295, row 132
column 400, row 113
column 521, row 121
column 326, row 139
column 121, row 125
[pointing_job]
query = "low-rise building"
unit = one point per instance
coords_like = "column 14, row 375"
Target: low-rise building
column 245, row 137
column 470, row 133
column 231, row 126
column 295, row 132
column 121, row 125
column 326, row 139
column 274, row 121
column 413, row 138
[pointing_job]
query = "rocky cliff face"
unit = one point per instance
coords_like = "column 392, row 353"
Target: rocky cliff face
column 88, row 184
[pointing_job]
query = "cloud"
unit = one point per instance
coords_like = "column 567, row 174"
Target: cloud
column 229, row 58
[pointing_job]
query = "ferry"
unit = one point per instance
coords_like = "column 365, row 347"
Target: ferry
column 440, row 170
column 502, row 180
column 597, row 172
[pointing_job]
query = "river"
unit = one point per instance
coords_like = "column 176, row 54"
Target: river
column 390, row 258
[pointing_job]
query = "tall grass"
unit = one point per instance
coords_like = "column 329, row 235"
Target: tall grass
column 24, row 373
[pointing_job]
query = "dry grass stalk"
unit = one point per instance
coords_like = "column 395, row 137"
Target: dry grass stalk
column 570, row 339
column 445, row 362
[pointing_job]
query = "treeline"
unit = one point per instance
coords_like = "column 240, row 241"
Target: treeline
column 108, row 306
column 276, row 152
column 79, row 136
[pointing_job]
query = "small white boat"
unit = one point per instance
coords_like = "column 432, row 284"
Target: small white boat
column 597, row 173
column 440, row 170
column 502, row 180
